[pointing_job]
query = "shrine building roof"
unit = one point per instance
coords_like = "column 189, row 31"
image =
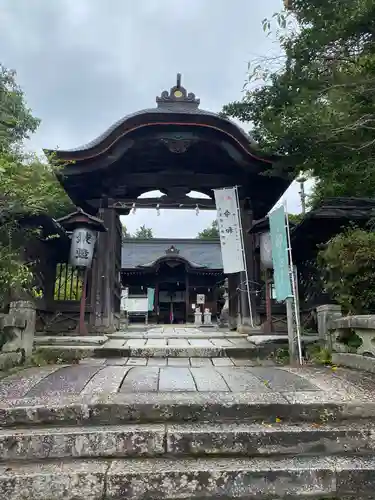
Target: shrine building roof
column 145, row 253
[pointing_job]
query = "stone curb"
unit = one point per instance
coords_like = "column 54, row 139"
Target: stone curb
column 246, row 351
column 178, row 440
column 168, row 407
column 136, row 479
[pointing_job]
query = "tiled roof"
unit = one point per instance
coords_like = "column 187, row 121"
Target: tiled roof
column 199, row 253
column 171, row 109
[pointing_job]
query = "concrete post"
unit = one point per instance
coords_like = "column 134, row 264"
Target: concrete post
column 325, row 315
column 25, row 311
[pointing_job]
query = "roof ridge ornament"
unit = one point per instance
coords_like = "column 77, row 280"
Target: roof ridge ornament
column 178, row 96
column 172, row 250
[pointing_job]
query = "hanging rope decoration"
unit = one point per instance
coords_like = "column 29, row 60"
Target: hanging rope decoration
column 158, row 207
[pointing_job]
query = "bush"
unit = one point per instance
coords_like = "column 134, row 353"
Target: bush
column 348, row 266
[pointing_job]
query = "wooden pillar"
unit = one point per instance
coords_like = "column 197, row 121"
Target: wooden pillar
column 232, row 301
column 187, row 297
column 105, row 276
column 247, row 220
column 156, row 299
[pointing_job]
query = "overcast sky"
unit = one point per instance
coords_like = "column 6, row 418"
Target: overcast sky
column 86, row 63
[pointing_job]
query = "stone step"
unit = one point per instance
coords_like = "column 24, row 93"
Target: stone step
column 61, row 340
column 124, row 408
column 244, row 350
column 136, row 479
column 172, row 335
column 178, row 440
column 116, row 348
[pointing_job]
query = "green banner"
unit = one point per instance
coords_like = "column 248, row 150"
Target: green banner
column 280, row 257
column 151, row 298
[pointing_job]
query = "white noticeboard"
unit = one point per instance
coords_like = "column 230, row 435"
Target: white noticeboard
column 230, row 230
column 201, row 298
column 136, row 304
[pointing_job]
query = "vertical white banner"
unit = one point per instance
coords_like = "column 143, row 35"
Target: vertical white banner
column 230, row 230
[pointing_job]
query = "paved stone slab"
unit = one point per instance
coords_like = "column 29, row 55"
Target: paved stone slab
column 94, row 361
column 176, row 379
column 116, row 361
column 244, row 362
column 155, row 330
column 157, row 362
column 222, row 362
column 141, row 379
column 178, row 361
column 66, row 380
column 178, row 342
column 136, row 343
column 114, row 344
column 108, row 379
column 209, row 380
column 278, row 380
column 201, row 362
column 240, row 379
column 162, row 342
column 221, row 342
column 136, row 362
column 200, row 343
column 16, row 386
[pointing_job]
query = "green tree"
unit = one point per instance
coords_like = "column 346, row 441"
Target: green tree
column 314, row 104
column 348, row 266
column 210, row 232
column 143, row 232
column 28, row 186
column 295, row 218
column 125, row 233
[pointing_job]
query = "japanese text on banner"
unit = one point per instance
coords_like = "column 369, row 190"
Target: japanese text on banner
column 230, row 230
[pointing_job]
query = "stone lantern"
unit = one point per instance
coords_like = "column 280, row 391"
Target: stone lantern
column 84, row 228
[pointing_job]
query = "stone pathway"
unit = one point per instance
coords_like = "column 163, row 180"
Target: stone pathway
column 176, row 427
column 179, row 359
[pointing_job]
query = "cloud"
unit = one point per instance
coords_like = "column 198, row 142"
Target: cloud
column 85, row 64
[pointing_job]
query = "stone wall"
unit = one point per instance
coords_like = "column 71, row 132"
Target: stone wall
column 17, row 330
column 350, row 339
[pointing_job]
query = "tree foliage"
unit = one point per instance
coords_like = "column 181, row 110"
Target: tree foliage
column 315, row 102
column 348, row 266
column 143, row 232
column 210, row 232
column 28, row 186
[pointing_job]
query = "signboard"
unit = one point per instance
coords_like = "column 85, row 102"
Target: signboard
column 201, row 298
column 82, row 247
column 280, row 256
column 136, row 304
column 230, row 230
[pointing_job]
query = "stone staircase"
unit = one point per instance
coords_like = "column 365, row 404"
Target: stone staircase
column 187, row 446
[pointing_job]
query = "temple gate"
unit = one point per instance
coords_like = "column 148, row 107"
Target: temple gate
column 176, row 148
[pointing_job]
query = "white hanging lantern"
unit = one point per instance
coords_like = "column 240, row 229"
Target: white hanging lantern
column 265, row 250
column 82, row 247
